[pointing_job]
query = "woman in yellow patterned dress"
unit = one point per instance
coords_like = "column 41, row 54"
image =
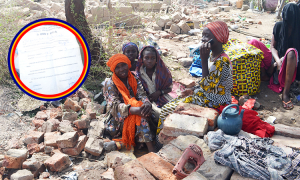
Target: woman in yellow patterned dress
column 214, row 89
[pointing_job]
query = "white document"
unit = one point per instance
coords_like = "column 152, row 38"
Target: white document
column 49, row 59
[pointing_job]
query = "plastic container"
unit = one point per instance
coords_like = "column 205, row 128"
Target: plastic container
column 251, row 5
column 268, row 45
column 239, row 4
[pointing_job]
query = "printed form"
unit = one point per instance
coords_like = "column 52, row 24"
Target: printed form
column 49, row 59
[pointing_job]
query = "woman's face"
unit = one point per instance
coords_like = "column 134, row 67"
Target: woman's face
column 208, row 35
column 149, row 59
column 121, row 70
column 131, row 53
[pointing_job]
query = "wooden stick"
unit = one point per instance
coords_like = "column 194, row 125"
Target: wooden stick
column 249, row 34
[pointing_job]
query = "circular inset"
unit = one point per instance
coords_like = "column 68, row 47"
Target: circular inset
column 49, row 59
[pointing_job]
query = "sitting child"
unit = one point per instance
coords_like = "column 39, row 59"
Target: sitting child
column 131, row 50
column 155, row 76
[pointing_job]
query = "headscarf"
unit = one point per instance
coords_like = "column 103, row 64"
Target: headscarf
column 290, row 16
column 219, row 30
column 128, row 134
column 163, row 79
column 130, row 44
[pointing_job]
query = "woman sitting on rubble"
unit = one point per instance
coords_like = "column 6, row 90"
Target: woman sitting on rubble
column 131, row 50
column 155, row 76
column 285, row 46
column 214, row 89
column 129, row 110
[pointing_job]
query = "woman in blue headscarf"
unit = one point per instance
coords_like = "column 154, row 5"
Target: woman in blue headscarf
column 131, row 50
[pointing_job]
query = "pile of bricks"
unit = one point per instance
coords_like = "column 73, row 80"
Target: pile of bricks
column 58, row 134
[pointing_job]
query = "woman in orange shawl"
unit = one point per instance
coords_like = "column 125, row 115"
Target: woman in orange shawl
column 127, row 104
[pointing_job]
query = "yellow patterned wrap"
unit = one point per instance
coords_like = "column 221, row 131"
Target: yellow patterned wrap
column 246, row 61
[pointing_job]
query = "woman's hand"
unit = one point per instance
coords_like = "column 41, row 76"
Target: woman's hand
column 204, row 51
column 279, row 64
column 187, row 92
column 154, row 96
column 146, row 109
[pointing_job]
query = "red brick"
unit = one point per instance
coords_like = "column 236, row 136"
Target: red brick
column 65, row 126
column 132, row 170
column 58, row 162
column 38, row 123
column 33, row 148
column 116, row 158
column 70, row 104
column 71, row 116
column 198, row 111
column 56, row 113
column 14, row 158
column 50, row 138
column 84, row 102
column 67, row 140
column 50, row 125
column 33, row 137
column 41, row 115
column 42, row 147
column 77, row 148
column 92, row 109
column 82, row 94
column 96, row 129
column 94, row 146
column 108, row 175
column 35, row 166
column 165, row 139
column 23, row 174
column 157, row 166
column 81, row 124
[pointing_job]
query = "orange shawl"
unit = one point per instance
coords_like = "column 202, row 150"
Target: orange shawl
column 128, row 134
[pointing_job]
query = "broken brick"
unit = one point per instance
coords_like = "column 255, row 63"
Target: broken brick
column 58, row 162
column 71, row 116
column 33, row 148
column 65, row 126
column 33, row 137
column 82, row 124
column 67, row 140
column 14, row 158
column 74, row 151
column 23, row 174
column 96, row 129
column 41, row 115
column 84, row 102
column 71, row 104
column 94, row 146
column 38, row 123
column 116, row 158
column 50, row 139
column 56, row 113
column 35, row 166
column 82, row 94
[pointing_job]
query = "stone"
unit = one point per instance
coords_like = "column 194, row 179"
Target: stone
column 44, row 175
column 194, row 110
column 182, row 142
column 48, row 149
column 170, row 153
column 175, row 28
column 82, row 93
column 38, row 123
column 58, row 162
column 108, row 175
column 75, row 151
column 56, row 113
column 176, row 17
column 36, row 167
column 33, row 148
column 195, row 175
column 208, row 169
column 184, row 27
column 164, row 139
column 94, row 146
column 96, row 129
column 71, row 104
column 14, row 158
column 41, row 115
column 33, row 137
column 82, row 124
column 23, row 174
column 215, row 10
column 71, row 116
column 162, row 20
column 245, row 7
column 187, row 83
column 116, row 158
column 287, row 141
column 185, row 62
column 288, row 131
column 67, row 140
column 225, row 8
column 237, row 176
column 173, row 125
column 50, row 139
column 65, row 126
column 84, row 102
column 157, row 166
column 132, row 170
